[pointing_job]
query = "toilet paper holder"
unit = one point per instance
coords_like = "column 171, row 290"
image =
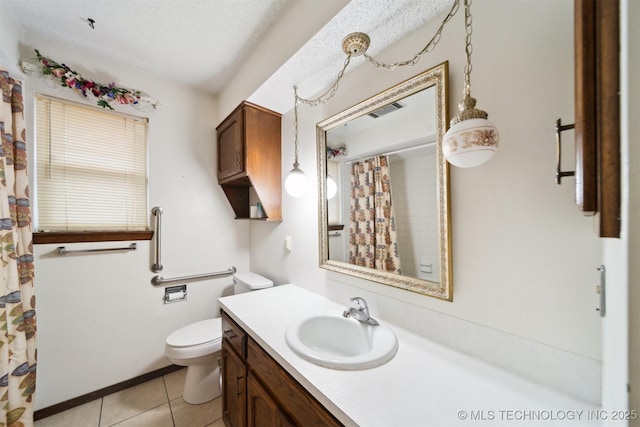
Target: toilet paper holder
column 175, row 294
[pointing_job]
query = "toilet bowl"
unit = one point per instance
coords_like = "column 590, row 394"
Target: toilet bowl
column 197, row 346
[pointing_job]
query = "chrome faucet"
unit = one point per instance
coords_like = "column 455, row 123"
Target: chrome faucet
column 361, row 313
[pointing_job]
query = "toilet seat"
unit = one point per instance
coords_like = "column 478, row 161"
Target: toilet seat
column 202, row 332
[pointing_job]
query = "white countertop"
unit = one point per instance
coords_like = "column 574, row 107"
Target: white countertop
column 425, row 384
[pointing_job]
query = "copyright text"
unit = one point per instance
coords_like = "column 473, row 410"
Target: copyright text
column 546, row 415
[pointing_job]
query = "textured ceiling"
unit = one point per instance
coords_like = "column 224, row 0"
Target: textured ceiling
column 194, row 41
column 315, row 66
column 202, row 42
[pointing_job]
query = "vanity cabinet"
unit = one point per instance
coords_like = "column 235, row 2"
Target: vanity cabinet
column 262, row 410
column 234, row 374
column 249, row 156
column 234, row 384
column 257, row 391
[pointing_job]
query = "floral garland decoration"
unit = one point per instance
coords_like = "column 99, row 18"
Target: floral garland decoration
column 106, row 94
column 336, row 152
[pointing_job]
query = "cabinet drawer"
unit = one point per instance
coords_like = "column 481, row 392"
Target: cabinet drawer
column 234, row 335
column 298, row 404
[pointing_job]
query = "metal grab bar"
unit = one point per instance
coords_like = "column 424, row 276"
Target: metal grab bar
column 62, row 250
column 160, row 281
column 157, row 266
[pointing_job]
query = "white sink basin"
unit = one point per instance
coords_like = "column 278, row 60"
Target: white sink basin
column 338, row 342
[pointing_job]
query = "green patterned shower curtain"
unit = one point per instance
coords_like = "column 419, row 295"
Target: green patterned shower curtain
column 373, row 240
column 17, row 297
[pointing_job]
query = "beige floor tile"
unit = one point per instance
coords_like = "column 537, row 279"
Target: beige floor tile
column 186, row 415
column 86, row 415
column 159, row 416
column 219, row 423
column 175, row 383
column 132, row 401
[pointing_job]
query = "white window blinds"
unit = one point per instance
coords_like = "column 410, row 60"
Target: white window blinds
column 91, row 168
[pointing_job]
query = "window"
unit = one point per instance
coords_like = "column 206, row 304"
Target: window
column 91, row 169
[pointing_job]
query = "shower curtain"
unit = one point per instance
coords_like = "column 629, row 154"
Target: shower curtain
column 17, row 297
column 373, row 240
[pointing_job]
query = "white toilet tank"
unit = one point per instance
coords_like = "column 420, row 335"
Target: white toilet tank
column 248, row 281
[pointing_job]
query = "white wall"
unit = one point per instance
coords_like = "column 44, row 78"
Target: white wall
column 100, row 321
column 620, row 343
column 631, row 109
column 524, row 258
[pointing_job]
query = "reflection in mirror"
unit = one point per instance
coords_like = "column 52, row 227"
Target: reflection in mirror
column 387, row 219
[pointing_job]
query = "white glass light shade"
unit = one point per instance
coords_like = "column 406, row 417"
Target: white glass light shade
column 296, row 183
column 332, row 188
column 470, row 142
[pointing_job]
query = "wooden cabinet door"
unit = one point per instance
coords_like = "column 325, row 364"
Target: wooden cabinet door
column 234, row 387
column 262, row 410
column 231, row 146
column 597, row 101
column 298, row 403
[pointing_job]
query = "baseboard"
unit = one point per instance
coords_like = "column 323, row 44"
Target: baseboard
column 80, row 400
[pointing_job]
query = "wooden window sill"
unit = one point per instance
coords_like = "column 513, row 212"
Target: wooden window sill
column 89, row 236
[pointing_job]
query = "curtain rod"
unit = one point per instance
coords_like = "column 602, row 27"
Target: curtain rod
column 424, row 142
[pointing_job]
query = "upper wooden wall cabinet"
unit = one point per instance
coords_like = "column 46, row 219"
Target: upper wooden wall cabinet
column 249, row 155
column 597, row 104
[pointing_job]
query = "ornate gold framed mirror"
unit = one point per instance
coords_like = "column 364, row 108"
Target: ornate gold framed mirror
column 384, row 188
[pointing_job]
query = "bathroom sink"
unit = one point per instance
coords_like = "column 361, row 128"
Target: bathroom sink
column 338, row 342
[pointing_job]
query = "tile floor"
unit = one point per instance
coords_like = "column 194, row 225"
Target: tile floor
column 156, row 403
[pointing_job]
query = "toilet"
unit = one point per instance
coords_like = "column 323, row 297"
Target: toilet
column 197, row 346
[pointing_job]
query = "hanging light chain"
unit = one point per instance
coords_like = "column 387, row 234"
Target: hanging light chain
column 329, row 93
column 467, row 106
column 428, row 48
column 323, row 98
column 295, row 127
column 468, row 20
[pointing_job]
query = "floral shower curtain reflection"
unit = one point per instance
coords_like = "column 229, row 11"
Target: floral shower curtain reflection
column 17, row 297
column 373, row 240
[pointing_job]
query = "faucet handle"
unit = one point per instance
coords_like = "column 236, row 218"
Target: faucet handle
column 362, row 304
column 361, row 313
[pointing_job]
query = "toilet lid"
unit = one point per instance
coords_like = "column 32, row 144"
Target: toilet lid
column 197, row 333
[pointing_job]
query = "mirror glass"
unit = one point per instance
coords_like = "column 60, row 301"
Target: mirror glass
column 384, row 188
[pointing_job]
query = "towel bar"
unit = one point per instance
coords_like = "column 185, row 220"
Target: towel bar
column 62, row 250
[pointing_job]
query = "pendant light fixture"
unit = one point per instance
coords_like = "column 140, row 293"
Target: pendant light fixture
column 296, row 182
column 332, row 187
column 471, row 139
